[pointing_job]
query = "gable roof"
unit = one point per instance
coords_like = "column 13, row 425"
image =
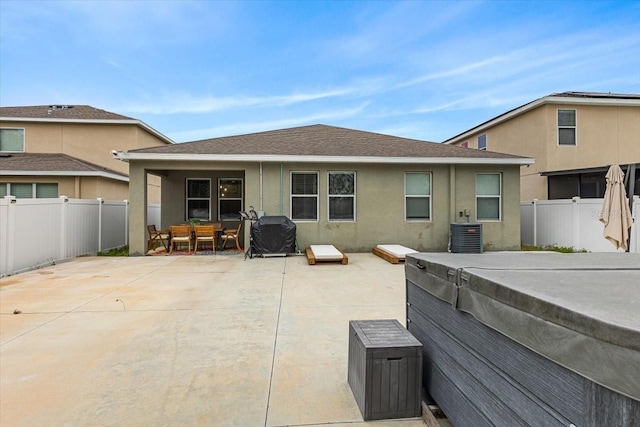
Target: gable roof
column 52, row 164
column 319, row 143
column 72, row 114
column 570, row 98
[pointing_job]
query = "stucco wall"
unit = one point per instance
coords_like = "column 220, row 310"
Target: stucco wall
column 379, row 203
column 606, row 135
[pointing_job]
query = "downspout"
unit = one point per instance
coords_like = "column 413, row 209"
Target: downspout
column 281, row 189
column 260, row 208
column 452, row 199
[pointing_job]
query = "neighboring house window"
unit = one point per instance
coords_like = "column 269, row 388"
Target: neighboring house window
column 488, row 197
column 29, row 191
column 417, row 196
column 229, row 198
column 198, row 199
column 482, row 142
column 566, row 127
column 304, row 196
column 12, row 140
column 342, row 196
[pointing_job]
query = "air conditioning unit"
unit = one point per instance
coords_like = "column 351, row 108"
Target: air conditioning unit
column 466, row 238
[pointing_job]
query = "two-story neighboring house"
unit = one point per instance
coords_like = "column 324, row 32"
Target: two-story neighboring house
column 55, row 150
column 573, row 136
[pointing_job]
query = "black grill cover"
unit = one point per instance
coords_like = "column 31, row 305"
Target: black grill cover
column 273, row 235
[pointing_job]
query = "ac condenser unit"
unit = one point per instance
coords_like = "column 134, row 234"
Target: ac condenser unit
column 466, row 238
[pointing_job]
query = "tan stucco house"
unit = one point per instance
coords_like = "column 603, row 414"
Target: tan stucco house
column 55, row 150
column 573, row 136
column 349, row 188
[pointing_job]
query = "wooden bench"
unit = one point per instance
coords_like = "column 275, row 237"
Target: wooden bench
column 395, row 254
column 325, row 253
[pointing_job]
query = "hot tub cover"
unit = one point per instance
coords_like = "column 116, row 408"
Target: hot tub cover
column 580, row 310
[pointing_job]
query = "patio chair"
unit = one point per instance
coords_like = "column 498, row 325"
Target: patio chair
column 204, row 234
column 180, row 234
column 231, row 234
column 157, row 236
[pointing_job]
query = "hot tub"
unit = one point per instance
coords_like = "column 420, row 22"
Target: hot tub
column 541, row 339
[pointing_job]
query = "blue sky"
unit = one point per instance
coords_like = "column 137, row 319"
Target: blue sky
column 419, row 69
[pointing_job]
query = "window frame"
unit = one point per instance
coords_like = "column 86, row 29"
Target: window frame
column 428, row 196
column 330, row 196
column 187, row 199
column 574, row 127
column 220, row 198
column 484, row 138
column 492, row 196
column 23, row 139
column 34, row 189
column 316, row 196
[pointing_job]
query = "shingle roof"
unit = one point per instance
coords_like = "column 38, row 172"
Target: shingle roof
column 321, row 140
column 49, row 162
column 69, row 112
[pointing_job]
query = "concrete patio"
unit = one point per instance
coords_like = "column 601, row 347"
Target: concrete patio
column 188, row 340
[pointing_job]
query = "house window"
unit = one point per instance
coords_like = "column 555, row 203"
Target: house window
column 567, row 127
column 417, row 196
column 304, row 196
column 229, row 198
column 198, row 199
column 12, row 140
column 482, row 142
column 488, row 196
column 342, row 196
column 29, row 190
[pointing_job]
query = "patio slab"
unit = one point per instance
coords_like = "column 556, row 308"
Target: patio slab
column 189, row 340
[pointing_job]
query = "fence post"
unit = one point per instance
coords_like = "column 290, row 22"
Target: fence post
column 534, row 202
column 126, row 222
column 11, row 233
column 100, row 202
column 575, row 221
column 63, row 227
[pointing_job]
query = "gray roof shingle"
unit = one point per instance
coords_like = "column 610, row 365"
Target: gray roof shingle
column 321, row 140
column 60, row 112
column 49, row 162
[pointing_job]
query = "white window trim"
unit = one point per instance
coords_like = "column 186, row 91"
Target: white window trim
column 558, row 127
column 430, row 196
column 187, row 198
column 317, row 195
column 329, row 196
column 499, row 196
column 24, row 140
column 230, row 198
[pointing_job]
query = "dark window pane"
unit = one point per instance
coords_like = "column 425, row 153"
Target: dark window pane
column 567, row 136
column 198, row 209
column 341, row 208
column 563, row 187
column 304, row 208
column 44, row 191
column 22, row 191
column 488, row 208
column 230, row 188
column 341, row 183
column 198, row 188
column 418, row 208
column 304, row 183
column 230, row 208
column 566, row 117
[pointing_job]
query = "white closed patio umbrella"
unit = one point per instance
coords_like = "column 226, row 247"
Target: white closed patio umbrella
column 616, row 215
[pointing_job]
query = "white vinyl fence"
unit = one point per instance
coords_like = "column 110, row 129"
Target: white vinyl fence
column 39, row 232
column 571, row 223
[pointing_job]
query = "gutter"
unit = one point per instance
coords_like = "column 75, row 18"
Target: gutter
column 64, row 173
column 126, row 156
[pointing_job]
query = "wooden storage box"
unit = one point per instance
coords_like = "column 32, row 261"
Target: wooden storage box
column 385, row 369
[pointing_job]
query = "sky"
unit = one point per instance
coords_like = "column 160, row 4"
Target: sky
column 426, row 70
